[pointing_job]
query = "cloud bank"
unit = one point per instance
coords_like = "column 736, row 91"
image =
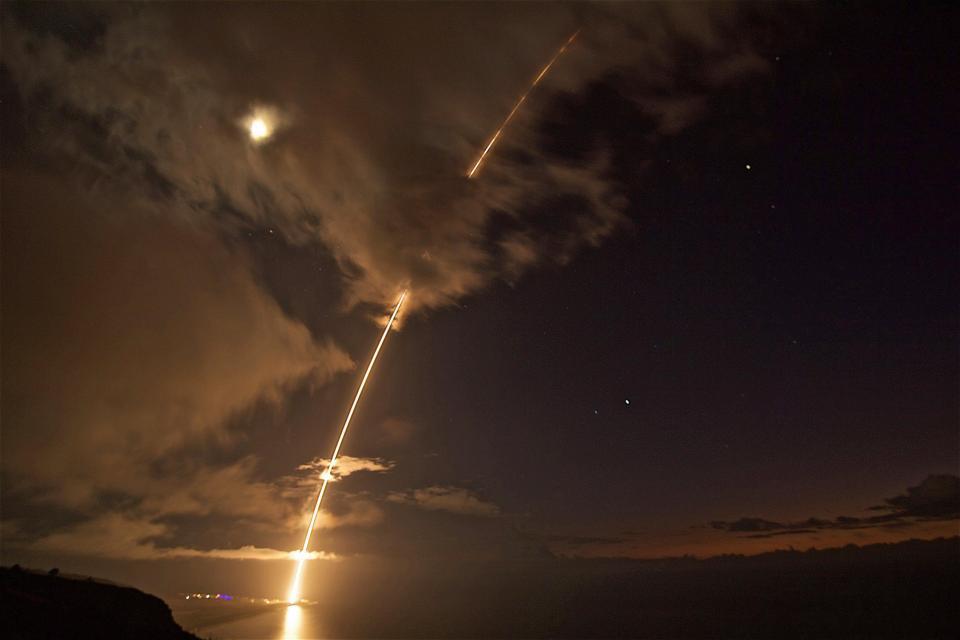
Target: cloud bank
column 121, row 537
column 937, row 498
column 128, row 337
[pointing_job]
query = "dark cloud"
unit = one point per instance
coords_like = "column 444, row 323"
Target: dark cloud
column 936, row 498
column 578, row 541
column 748, row 524
column 787, row 532
column 80, row 28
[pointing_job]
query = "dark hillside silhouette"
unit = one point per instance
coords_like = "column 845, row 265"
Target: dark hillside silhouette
column 48, row 606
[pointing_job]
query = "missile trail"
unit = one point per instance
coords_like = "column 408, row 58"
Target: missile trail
column 294, row 594
column 516, row 107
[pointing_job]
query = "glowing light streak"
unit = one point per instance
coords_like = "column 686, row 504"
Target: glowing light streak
column 294, row 593
column 516, row 107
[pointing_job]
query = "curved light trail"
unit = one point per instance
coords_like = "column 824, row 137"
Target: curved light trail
column 293, row 596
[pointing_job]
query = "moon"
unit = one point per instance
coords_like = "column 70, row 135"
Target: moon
column 259, row 129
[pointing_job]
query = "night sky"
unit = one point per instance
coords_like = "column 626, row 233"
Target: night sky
column 701, row 299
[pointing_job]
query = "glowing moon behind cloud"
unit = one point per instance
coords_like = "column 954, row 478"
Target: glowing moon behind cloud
column 261, row 123
column 259, row 129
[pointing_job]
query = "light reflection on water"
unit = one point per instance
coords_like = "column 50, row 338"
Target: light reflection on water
column 250, row 621
column 292, row 621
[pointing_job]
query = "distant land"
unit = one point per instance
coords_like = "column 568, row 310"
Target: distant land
column 41, row 605
column 901, row 590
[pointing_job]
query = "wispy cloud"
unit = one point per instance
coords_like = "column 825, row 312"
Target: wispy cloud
column 446, row 498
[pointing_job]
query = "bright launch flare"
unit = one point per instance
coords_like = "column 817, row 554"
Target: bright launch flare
column 516, row 107
column 294, row 595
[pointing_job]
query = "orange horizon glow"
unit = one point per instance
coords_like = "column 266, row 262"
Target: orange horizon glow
column 706, row 543
column 293, row 595
column 516, row 107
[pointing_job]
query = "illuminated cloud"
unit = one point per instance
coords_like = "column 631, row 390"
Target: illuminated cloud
column 154, row 336
column 365, row 167
column 346, row 465
column 122, row 537
column 302, row 485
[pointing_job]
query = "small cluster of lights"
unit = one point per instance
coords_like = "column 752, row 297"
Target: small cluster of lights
column 241, row 599
column 229, row 598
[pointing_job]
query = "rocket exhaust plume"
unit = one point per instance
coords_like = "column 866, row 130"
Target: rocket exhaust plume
column 293, row 595
column 476, row 165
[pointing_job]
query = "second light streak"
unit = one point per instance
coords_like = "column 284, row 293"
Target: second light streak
column 476, row 165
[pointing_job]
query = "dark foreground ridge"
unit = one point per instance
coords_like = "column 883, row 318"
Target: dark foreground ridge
column 39, row 605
